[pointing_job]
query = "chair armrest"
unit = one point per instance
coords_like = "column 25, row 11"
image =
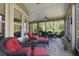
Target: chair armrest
column 34, row 41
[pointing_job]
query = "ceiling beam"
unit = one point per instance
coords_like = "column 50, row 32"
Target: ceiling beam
column 69, row 10
column 21, row 5
column 53, row 19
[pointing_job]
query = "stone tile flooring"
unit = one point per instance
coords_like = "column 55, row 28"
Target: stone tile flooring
column 56, row 48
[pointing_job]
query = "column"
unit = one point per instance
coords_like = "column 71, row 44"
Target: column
column 7, row 20
column 65, row 27
column 22, row 29
column 11, row 28
column 27, row 24
column 73, row 26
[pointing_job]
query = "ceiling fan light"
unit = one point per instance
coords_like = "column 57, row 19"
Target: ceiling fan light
column 37, row 3
column 45, row 19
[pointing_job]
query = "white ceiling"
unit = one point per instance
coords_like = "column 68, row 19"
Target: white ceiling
column 50, row 10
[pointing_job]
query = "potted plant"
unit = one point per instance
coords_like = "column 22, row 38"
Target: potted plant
column 65, row 44
column 64, row 41
column 62, row 34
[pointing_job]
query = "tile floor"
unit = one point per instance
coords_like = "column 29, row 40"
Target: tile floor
column 56, row 48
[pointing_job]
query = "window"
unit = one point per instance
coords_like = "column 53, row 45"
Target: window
column 2, row 27
column 33, row 27
column 42, row 26
column 53, row 26
column 2, row 30
column 58, row 26
column 49, row 26
column 2, row 21
column 17, row 23
column 61, row 25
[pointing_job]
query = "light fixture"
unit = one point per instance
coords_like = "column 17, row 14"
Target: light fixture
column 45, row 18
column 37, row 3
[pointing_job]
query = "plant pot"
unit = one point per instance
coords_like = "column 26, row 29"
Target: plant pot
column 66, row 49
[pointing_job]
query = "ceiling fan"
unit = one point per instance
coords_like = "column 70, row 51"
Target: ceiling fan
column 45, row 18
column 37, row 3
